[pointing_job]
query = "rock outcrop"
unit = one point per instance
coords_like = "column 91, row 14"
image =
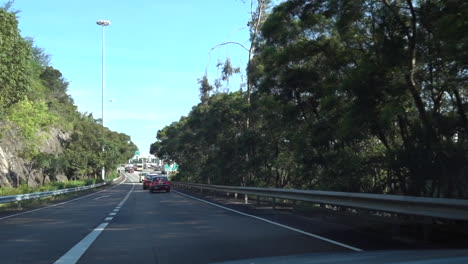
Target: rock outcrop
column 13, row 168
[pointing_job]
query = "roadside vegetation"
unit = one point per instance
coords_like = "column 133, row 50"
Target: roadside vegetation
column 359, row 96
column 22, row 189
column 34, row 106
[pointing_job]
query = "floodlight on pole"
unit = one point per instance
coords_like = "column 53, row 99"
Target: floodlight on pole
column 103, row 23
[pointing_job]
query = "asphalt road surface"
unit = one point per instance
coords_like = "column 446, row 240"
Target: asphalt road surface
column 125, row 224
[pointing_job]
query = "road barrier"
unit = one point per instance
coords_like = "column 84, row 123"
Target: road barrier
column 453, row 209
column 36, row 195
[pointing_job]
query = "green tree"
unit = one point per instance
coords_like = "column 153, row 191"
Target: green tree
column 349, row 96
column 30, row 121
column 15, row 65
column 38, row 54
column 34, row 99
column 333, row 61
column 49, row 165
column 83, row 154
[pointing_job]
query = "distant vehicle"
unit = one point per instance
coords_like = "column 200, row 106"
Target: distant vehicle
column 139, row 167
column 147, row 180
column 142, row 176
column 128, row 167
column 159, row 183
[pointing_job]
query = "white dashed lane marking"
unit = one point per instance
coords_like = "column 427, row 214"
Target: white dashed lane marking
column 75, row 253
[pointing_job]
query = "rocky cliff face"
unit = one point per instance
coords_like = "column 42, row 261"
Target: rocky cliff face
column 13, row 167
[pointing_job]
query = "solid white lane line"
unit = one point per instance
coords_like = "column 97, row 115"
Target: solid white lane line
column 126, row 197
column 277, row 224
column 53, row 205
column 108, row 218
column 75, row 253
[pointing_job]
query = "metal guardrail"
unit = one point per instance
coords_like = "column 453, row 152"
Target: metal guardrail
column 453, row 209
column 36, row 195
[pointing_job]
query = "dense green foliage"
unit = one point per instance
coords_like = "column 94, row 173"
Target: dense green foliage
column 34, row 105
column 15, row 60
column 46, row 187
column 362, row 96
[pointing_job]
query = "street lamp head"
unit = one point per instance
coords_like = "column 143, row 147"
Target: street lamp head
column 103, row 22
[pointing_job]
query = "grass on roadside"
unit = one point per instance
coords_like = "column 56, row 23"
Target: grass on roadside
column 21, row 205
column 22, row 189
column 112, row 176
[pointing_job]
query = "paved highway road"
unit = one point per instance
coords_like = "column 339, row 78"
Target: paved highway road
column 125, row 224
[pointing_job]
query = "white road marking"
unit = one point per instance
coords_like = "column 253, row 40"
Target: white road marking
column 126, row 197
column 277, row 224
column 75, row 253
column 53, row 205
column 112, row 214
column 97, row 198
column 116, row 210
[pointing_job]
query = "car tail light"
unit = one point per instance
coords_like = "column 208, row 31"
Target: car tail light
column 168, row 183
column 153, row 183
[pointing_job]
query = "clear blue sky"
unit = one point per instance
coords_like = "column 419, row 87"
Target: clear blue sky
column 155, row 51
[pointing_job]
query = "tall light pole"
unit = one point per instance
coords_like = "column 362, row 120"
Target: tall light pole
column 103, row 23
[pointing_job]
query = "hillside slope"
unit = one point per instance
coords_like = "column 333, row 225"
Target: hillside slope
column 42, row 135
column 13, row 167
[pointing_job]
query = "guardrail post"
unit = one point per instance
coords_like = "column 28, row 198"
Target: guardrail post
column 235, row 195
column 258, row 200
column 227, row 194
column 246, row 199
column 274, row 203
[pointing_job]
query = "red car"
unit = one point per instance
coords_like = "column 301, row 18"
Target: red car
column 147, row 180
column 160, row 183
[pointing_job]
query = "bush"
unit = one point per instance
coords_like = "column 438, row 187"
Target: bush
column 22, row 189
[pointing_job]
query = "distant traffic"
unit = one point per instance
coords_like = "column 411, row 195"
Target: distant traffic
column 151, row 176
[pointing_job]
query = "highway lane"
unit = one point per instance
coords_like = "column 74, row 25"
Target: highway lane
column 136, row 226
column 44, row 235
column 171, row 228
